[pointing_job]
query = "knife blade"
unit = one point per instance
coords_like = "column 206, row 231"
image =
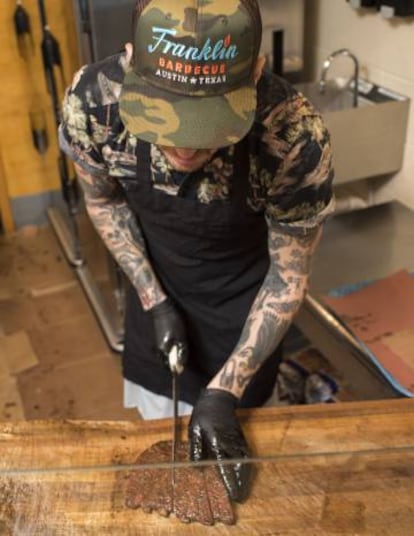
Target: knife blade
column 175, row 425
column 175, row 395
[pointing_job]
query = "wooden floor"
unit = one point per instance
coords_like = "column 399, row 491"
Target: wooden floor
column 54, row 360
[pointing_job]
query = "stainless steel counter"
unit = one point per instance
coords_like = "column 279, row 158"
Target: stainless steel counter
column 359, row 246
column 363, row 245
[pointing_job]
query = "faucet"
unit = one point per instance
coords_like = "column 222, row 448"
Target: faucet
column 327, row 64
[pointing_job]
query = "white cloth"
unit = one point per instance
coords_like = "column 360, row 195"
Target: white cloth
column 149, row 404
column 153, row 406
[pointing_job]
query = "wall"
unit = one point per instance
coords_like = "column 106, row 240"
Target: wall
column 29, row 177
column 384, row 48
column 286, row 15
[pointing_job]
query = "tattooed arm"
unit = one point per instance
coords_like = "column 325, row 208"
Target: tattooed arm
column 214, row 428
column 118, row 228
column 276, row 303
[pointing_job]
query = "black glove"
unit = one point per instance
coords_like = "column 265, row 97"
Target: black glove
column 169, row 332
column 215, row 432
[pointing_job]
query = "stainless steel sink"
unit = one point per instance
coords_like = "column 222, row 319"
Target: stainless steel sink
column 368, row 140
column 334, row 97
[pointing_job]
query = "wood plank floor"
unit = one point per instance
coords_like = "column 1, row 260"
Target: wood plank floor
column 70, row 372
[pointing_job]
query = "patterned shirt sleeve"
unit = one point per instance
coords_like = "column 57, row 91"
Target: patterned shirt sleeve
column 81, row 136
column 298, row 192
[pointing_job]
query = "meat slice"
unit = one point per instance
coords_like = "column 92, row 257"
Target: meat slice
column 190, row 498
column 151, row 489
column 199, row 494
column 220, row 504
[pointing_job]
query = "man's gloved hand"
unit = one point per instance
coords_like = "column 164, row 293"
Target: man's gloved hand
column 215, row 432
column 169, row 332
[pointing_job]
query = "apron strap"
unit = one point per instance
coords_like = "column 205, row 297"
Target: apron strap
column 143, row 152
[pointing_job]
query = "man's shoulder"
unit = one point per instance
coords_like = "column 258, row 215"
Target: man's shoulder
column 276, row 110
column 285, row 113
column 99, row 84
column 278, row 100
column 272, row 92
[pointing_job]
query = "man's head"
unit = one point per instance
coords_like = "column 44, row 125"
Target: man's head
column 192, row 82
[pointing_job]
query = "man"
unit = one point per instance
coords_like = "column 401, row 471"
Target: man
column 208, row 181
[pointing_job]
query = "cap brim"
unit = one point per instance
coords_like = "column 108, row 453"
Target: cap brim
column 165, row 118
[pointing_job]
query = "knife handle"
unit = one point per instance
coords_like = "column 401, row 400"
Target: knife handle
column 175, row 358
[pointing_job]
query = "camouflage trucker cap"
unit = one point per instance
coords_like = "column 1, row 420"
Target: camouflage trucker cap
column 191, row 82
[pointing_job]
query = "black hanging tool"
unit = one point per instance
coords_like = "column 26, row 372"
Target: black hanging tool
column 51, row 59
column 23, row 31
column 25, row 44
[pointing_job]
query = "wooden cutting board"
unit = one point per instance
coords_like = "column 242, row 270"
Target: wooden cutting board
column 339, row 469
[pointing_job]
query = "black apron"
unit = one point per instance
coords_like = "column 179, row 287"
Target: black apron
column 211, row 259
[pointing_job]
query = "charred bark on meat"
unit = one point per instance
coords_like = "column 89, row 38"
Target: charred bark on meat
column 198, row 495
